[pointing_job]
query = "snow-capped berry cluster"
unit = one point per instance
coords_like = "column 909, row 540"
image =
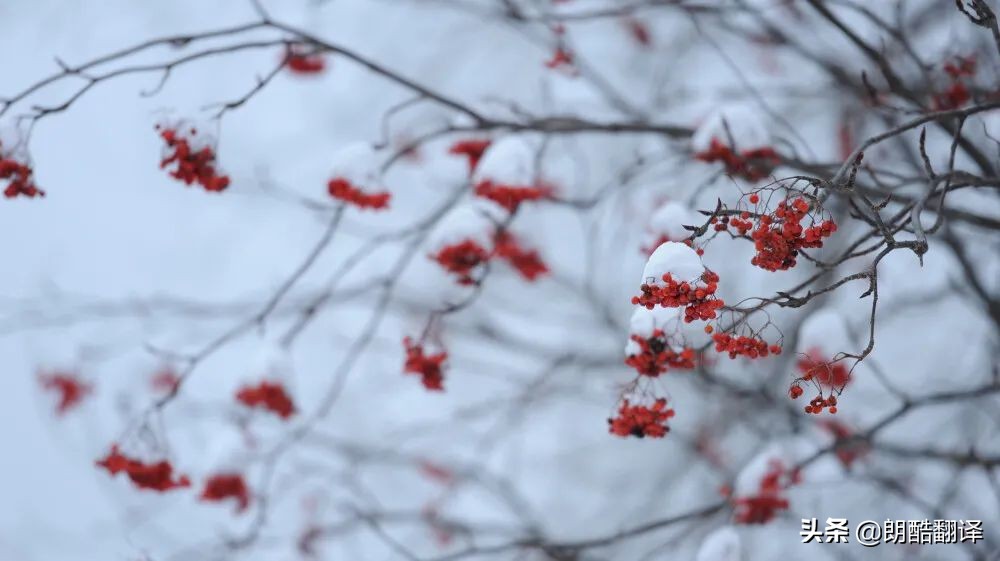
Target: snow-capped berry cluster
column 779, row 236
column 462, row 259
column 427, row 366
column 469, row 238
column 511, row 196
column 223, row 486
column 736, row 136
column 957, row 93
column 343, row 190
column 18, row 176
column 505, row 174
column 742, row 345
column 300, row 61
column 355, row 176
column 192, row 157
column 829, row 374
column 675, row 280
column 768, row 501
column 641, row 420
column 68, row 386
column 667, row 224
column 475, row 233
column 753, row 165
column 655, row 357
column 156, row 476
column 269, row 396
column 527, row 262
column 675, row 277
column 472, row 149
column 698, row 299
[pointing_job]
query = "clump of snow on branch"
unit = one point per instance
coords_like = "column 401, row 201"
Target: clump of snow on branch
column 271, row 359
column 358, row 163
column 738, row 126
column 676, row 258
column 645, row 322
column 465, row 222
column 669, row 220
column 509, row 161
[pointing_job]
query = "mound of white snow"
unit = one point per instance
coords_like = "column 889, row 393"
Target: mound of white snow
column 676, row 258
column 739, row 126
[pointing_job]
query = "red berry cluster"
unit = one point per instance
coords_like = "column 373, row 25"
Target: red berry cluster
column 191, row 166
column 655, row 355
column 742, row 223
column 768, row 502
column 18, row 177
column 819, row 403
column 957, row 93
column 829, row 374
column 157, row 476
column 511, row 196
column 752, row 165
column 427, row 366
column 795, row 391
column 222, row 486
column 70, row 387
column 527, row 262
column 961, row 66
column 954, row 96
column 343, row 190
column 698, row 301
column 472, row 149
column 750, row 347
column 270, row 396
column 462, row 259
column 641, row 421
column 303, row 63
column 780, row 235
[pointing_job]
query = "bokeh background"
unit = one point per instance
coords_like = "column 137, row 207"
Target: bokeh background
column 121, row 268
